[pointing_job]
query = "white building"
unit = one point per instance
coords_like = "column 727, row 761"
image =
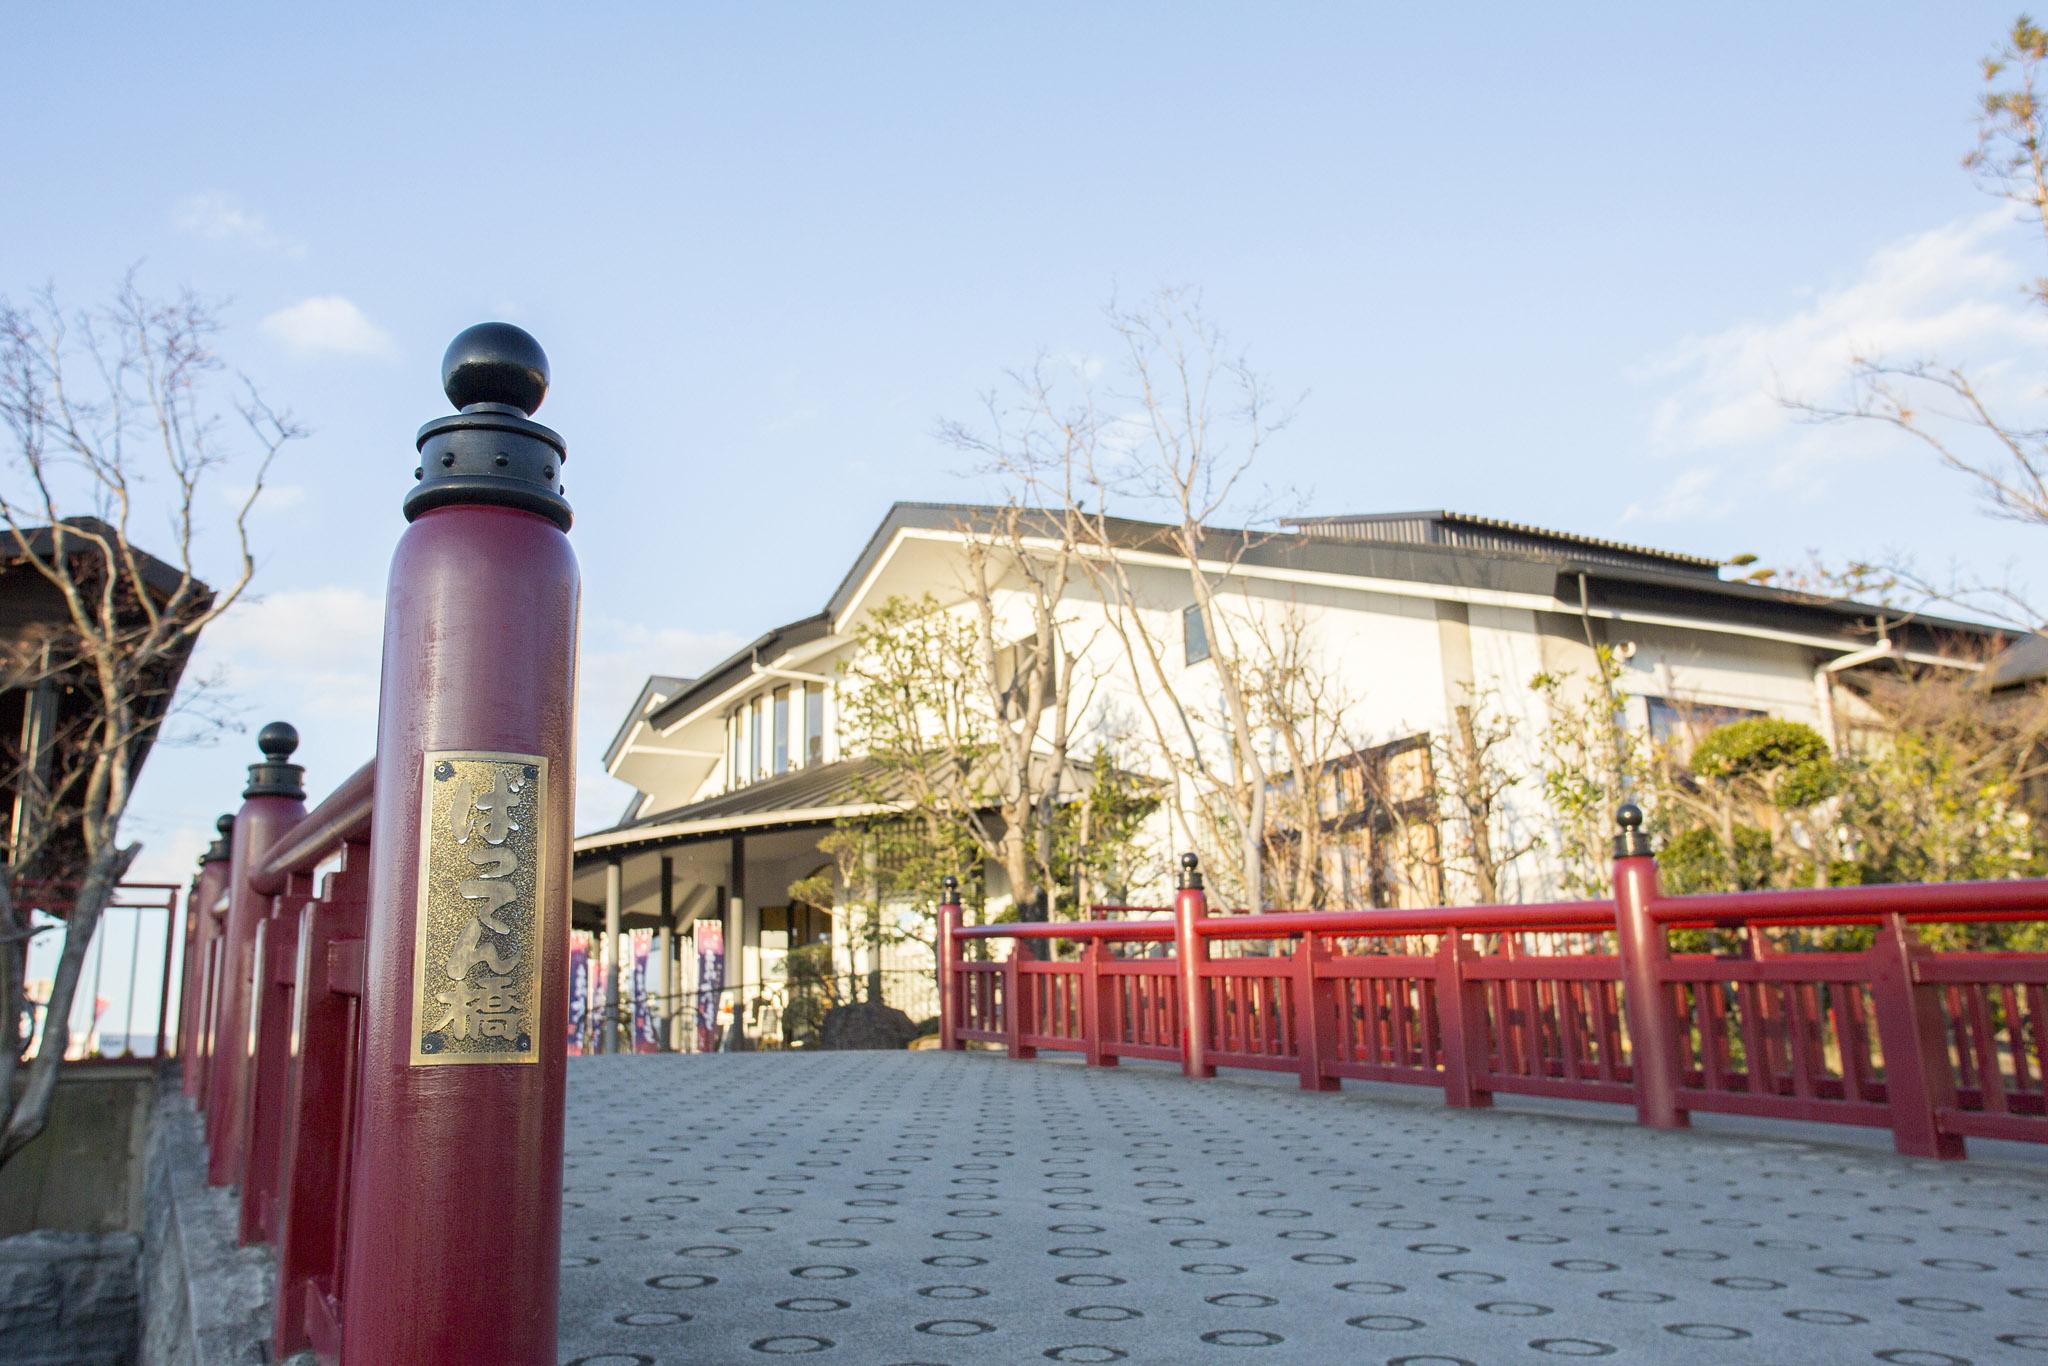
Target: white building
column 740, row 771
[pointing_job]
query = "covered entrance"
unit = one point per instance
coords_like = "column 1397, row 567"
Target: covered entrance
column 708, row 886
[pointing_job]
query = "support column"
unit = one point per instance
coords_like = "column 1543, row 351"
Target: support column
column 612, row 1034
column 455, row 1190
column 736, row 948
column 664, row 984
column 272, row 804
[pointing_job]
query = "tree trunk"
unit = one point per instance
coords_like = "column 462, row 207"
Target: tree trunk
column 27, row 1116
column 14, row 940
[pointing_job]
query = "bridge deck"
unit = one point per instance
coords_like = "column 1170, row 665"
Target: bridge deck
column 877, row 1208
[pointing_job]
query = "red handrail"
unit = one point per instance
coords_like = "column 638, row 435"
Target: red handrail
column 297, row 1103
column 1938, row 1046
column 344, row 816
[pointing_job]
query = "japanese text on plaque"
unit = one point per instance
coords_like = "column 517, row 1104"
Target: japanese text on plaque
column 477, row 959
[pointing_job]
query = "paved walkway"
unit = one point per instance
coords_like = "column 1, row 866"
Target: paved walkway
column 897, row 1208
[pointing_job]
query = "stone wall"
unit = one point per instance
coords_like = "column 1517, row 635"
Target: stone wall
column 205, row 1301
column 84, row 1172
column 67, row 1299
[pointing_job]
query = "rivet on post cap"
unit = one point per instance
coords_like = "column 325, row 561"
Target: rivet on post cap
column 1633, row 841
column 491, row 452
column 277, row 775
column 1190, row 873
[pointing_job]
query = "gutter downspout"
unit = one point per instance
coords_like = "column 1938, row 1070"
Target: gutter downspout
column 1824, row 684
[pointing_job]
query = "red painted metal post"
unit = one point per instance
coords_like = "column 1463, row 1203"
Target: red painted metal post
column 1190, row 952
column 455, row 1191
column 1918, row 1081
column 1461, row 1019
column 269, row 1082
column 1016, row 1006
column 273, row 803
column 316, row 1143
column 951, row 1008
column 1315, row 1018
column 1645, row 995
column 192, row 1025
column 1101, row 1005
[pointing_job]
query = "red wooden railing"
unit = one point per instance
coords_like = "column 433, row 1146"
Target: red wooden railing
column 408, row 1173
column 297, row 1100
column 1577, row 1000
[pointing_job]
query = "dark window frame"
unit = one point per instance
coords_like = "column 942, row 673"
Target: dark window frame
column 779, row 729
column 814, row 724
column 1194, row 634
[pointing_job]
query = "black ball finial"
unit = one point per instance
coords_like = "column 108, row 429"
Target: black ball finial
column 1190, row 872
column 226, row 826
column 495, row 363
column 276, row 775
column 1631, row 842
column 277, row 741
column 950, row 890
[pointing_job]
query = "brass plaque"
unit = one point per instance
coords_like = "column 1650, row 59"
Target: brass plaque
column 481, row 923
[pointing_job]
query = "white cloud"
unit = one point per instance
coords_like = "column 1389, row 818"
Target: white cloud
column 219, row 217
column 1694, row 496
column 313, row 652
column 617, row 657
column 1953, row 293
column 275, row 497
column 327, row 324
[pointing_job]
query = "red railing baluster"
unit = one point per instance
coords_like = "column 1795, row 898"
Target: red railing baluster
column 1919, row 1080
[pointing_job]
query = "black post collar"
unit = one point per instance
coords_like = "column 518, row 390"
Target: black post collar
column 492, row 451
column 222, row 849
column 277, row 775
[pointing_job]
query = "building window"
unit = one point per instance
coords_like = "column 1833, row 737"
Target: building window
column 814, row 723
column 1194, row 635
column 1016, row 665
column 782, row 730
column 732, row 750
column 1678, row 724
column 759, row 734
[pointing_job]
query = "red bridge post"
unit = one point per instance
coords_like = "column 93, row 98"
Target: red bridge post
column 951, row 1012
column 268, row 1085
column 1645, row 994
column 272, row 804
column 196, row 989
column 1919, row 1082
column 455, row 1191
column 1190, row 904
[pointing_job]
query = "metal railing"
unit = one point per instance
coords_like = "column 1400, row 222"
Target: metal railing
column 1578, row 1000
column 141, row 915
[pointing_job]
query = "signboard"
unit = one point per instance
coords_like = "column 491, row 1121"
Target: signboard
column 579, row 988
column 643, row 995
column 710, row 936
column 480, row 922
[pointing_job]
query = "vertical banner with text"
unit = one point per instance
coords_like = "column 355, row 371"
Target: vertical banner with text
column 710, row 936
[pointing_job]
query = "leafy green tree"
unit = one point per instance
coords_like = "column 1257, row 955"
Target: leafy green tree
column 1592, row 762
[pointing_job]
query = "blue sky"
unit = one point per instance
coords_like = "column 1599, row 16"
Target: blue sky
column 1543, row 263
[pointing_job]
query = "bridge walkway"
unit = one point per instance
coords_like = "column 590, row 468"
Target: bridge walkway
column 963, row 1208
